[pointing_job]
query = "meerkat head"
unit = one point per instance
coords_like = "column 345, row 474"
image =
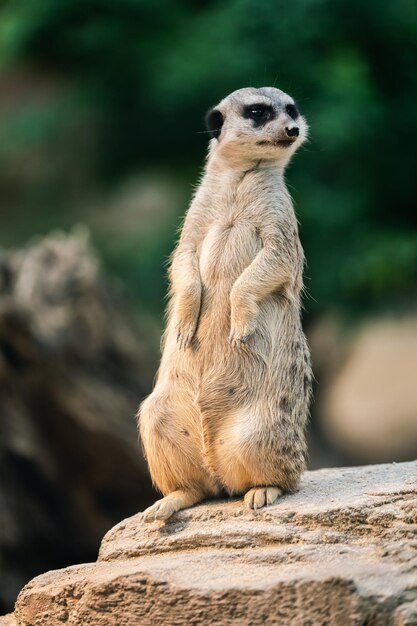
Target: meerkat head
column 256, row 124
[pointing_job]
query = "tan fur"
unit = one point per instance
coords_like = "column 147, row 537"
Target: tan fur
column 231, row 399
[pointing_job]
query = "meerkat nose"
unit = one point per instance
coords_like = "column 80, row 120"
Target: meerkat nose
column 292, row 131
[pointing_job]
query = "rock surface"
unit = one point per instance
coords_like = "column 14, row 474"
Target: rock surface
column 341, row 551
column 73, row 366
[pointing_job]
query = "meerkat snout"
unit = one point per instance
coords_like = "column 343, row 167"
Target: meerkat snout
column 292, row 131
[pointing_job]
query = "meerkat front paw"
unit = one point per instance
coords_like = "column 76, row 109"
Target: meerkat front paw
column 257, row 497
column 187, row 311
column 241, row 330
column 239, row 338
column 243, row 319
column 185, row 333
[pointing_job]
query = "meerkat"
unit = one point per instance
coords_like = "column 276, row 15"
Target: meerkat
column 231, row 400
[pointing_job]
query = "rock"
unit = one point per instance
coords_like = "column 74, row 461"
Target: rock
column 341, row 551
column 73, row 366
column 367, row 392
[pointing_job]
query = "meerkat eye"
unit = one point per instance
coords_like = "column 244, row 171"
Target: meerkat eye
column 292, row 111
column 259, row 113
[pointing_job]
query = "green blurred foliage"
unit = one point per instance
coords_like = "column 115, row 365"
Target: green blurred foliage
column 133, row 79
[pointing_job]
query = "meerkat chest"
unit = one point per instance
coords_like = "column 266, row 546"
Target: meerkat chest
column 230, row 245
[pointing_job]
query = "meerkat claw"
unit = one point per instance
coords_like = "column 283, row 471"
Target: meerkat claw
column 239, row 340
column 236, row 341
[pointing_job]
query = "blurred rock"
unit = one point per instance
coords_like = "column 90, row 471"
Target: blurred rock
column 140, row 205
column 367, row 392
column 73, row 366
column 341, row 551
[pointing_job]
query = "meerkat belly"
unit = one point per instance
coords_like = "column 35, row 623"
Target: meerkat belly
column 227, row 249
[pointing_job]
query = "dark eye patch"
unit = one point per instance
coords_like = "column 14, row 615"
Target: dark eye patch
column 260, row 113
column 292, row 111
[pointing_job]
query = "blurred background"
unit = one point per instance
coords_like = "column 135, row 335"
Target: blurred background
column 102, row 105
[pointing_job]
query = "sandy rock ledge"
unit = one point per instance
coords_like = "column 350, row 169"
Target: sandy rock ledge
column 342, row 551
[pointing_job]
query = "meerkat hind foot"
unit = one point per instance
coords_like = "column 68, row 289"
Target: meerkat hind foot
column 164, row 508
column 257, row 497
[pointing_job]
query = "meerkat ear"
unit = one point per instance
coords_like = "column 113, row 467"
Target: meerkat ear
column 214, row 122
